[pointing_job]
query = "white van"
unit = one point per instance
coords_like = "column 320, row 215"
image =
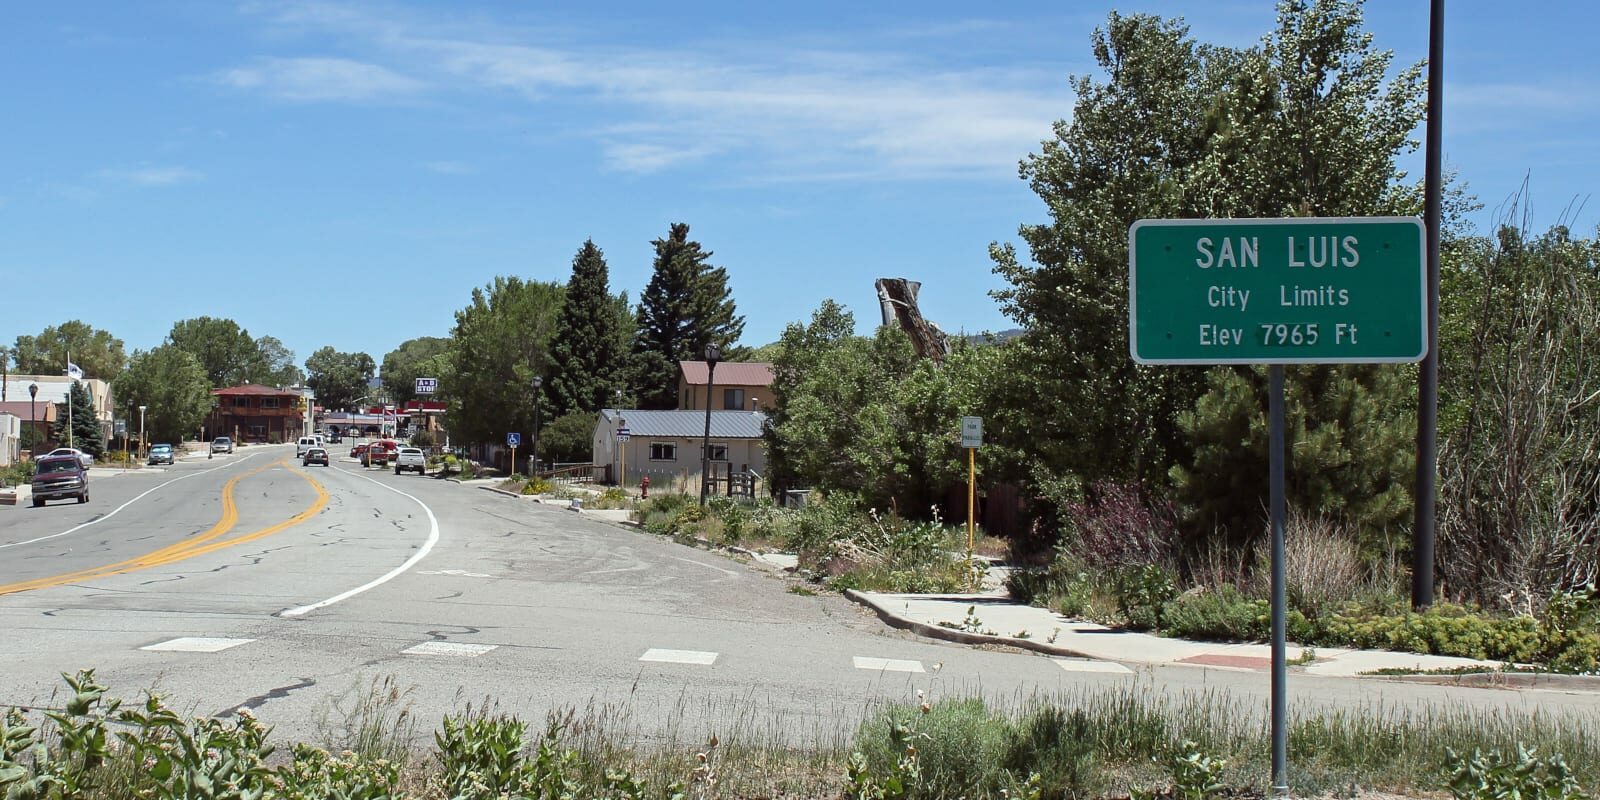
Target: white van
column 303, row 444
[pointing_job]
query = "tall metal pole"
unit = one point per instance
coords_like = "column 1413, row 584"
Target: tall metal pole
column 1280, row 664
column 972, row 504
column 705, row 448
column 1428, row 380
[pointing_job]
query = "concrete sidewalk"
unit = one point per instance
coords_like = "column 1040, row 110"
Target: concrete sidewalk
column 995, row 619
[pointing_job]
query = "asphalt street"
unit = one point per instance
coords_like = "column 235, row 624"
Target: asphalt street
column 250, row 581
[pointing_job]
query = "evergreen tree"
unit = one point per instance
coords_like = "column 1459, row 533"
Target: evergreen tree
column 589, row 352
column 686, row 306
column 86, row 432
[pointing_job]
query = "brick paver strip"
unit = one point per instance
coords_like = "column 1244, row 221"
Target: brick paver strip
column 1221, row 660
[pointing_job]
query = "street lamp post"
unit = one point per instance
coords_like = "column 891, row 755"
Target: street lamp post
column 533, row 467
column 141, row 433
column 33, row 418
column 713, row 355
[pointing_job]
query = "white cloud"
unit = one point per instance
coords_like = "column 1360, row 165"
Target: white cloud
column 153, row 175
column 321, row 79
column 781, row 111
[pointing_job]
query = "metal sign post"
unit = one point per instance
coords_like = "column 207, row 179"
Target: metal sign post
column 622, row 453
column 972, row 439
column 1276, row 292
column 512, row 440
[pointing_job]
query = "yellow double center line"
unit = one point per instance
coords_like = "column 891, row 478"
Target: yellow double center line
column 208, row 541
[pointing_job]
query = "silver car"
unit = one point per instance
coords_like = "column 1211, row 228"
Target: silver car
column 411, row 458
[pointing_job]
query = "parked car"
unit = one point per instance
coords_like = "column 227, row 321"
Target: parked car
column 359, row 450
column 305, row 443
column 161, row 454
column 314, row 455
column 222, row 444
column 410, row 458
column 57, row 477
column 83, row 458
column 380, row 453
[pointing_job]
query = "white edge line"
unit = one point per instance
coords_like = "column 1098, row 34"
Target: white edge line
column 427, row 547
column 136, row 499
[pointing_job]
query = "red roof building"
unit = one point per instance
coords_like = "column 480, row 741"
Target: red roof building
column 255, row 413
column 740, row 385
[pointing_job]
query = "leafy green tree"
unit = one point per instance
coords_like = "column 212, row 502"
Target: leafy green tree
column 501, row 341
column 226, row 351
column 96, row 352
column 1307, row 123
column 173, row 387
column 686, row 306
column 86, row 432
column 413, row 359
column 273, row 364
column 570, row 438
column 589, row 349
column 339, row 379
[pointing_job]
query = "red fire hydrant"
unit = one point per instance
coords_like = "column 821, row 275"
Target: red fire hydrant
column 644, row 487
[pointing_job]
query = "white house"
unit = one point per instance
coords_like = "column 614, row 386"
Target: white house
column 665, row 445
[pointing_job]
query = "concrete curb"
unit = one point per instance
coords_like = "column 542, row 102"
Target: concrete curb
column 894, row 620
column 1494, row 679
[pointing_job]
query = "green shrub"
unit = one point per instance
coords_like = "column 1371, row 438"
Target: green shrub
column 1223, row 613
column 1527, row 777
column 538, row 486
column 1141, row 594
column 1059, row 746
column 960, row 746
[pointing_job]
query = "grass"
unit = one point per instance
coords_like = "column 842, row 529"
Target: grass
column 1089, row 742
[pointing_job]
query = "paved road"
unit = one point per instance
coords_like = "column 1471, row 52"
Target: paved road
column 248, row 581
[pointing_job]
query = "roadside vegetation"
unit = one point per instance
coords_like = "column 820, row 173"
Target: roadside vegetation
column 1086, row 744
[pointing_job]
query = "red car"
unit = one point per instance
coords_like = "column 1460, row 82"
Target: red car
column 380, row 452
column 358, row 450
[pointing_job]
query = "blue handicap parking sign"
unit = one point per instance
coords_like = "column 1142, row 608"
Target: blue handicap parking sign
column 513, row 440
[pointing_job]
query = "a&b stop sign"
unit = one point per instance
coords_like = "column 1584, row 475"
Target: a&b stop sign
column 1277, row 291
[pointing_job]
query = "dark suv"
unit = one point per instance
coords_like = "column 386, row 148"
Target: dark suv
column 59, row 477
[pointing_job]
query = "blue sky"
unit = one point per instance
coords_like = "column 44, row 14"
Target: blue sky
column 344, row 174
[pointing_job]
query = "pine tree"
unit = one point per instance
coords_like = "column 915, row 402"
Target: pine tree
column 686, row 306
column 589, row 351
column 86, row 433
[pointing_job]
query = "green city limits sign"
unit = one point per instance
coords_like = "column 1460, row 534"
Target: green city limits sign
column 1277, row 291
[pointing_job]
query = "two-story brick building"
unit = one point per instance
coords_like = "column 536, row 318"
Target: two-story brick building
column 256, row 413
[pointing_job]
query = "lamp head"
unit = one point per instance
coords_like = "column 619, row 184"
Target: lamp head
column 713, row 354
column 537, row 382
column 33, row 390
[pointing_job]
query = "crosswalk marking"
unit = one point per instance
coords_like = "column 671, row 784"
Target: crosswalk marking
column 458, row 649
column 1081, row 665
column 679, row 656
column 196, row 644
column 888, row 664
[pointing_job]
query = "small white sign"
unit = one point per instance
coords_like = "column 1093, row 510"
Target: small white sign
column 427, row 385
column 972, row 431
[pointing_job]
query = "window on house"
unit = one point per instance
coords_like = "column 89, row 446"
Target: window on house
column 733, row 399
column 663, row 451
column 258, row 431
column 719, row 452
column 269, row 402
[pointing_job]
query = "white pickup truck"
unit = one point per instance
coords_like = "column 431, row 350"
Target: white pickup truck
column 410, row 458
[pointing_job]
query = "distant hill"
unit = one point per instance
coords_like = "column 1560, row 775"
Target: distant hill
column 998, row 337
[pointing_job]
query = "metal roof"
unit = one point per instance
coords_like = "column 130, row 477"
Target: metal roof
column 687, row 424
column 729, row 373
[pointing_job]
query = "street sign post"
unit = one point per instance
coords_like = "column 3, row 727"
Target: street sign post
column 972, row 439
column 513, row 440
column 427, row 385
column 1276, row 292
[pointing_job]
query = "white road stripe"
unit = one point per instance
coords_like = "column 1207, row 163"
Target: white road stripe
column 888, row 664
column 458, row 649
column 1082, row 665
column 679, row 656
column 427, row 547
column 114, row 511
column 196, row 644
